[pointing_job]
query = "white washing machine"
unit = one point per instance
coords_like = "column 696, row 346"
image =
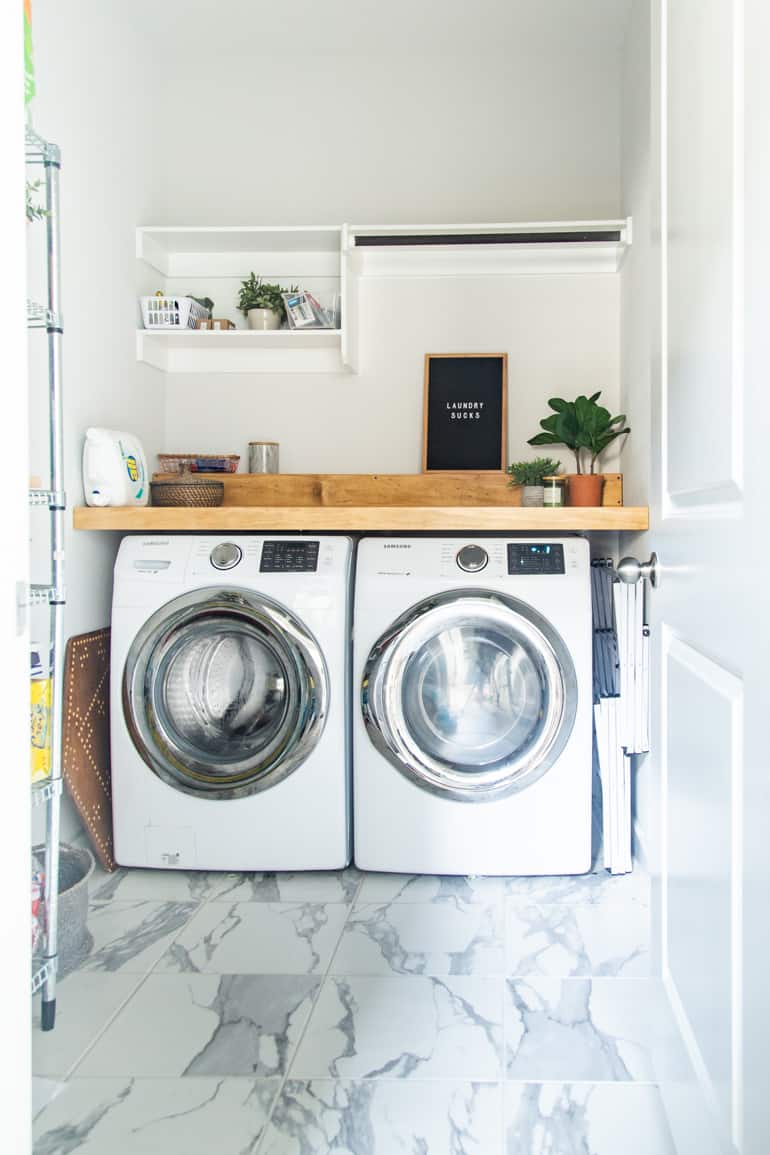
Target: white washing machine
column 230, row 702
column 472, row 739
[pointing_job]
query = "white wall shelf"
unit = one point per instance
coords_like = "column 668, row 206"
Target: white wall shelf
column 334, row 259
column 241, row 350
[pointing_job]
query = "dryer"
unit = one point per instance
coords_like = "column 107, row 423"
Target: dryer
column 230, row 704
column 473, row 722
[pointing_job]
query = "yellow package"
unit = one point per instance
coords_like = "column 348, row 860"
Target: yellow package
column 40, row 728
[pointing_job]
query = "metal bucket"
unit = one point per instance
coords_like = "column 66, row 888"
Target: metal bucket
column 76, row 865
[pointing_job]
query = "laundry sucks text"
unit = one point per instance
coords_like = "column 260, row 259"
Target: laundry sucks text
column 464, row 410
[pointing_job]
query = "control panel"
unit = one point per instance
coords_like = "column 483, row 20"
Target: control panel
column 289, row 557
column 532, row 557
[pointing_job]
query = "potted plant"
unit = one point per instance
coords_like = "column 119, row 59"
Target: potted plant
column 530, row 474
column 587, row 429
column 262, row 303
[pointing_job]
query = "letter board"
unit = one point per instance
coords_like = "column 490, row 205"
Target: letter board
column 464, row 412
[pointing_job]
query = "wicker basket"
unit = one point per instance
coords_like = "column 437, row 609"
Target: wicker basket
column 197, row 492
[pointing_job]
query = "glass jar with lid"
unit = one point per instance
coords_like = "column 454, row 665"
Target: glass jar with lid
column 554, row 491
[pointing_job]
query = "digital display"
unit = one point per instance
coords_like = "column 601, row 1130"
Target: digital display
column 289, row 557
column 535, row 557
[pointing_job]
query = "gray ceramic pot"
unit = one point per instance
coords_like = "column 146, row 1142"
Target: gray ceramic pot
column 532, row 495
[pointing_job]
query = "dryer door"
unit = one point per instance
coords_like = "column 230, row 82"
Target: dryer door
column 470, row 694
column 225, row 692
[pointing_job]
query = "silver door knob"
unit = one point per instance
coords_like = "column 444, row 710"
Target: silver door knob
column 630, row 570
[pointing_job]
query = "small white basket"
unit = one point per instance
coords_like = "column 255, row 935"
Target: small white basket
column 171, row 312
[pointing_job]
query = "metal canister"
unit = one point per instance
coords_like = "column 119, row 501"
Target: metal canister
column 554, row 492
column 263, row 457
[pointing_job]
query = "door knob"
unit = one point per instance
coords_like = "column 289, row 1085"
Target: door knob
column 630, row 570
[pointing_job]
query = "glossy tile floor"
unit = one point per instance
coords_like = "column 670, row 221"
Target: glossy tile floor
column 359, row 1014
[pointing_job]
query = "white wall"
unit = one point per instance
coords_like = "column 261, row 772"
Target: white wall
column 439, row 110
column 91, row 60
column 560, row 333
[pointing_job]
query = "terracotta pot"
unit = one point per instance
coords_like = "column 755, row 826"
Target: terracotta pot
column 584, row 488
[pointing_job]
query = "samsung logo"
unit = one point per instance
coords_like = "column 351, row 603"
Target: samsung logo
column 395, row 546
column 156, row 541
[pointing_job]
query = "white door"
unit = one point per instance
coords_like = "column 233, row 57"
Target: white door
column 710, row 506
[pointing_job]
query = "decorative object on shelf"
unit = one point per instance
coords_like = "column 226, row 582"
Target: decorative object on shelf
column 198, row 462
column 86, row 738
column 262, row 303
column 214, row 323
column 263, row 456
column 464, row 412
column 555, row 492
column 114, row 468
column 587, row 429
column 304, row 311
column 529, row 475
column 76, row 865
column 204, row 302
column 188, row 491
column 161, row 312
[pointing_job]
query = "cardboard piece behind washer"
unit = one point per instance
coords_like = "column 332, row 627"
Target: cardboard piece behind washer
column 86, row 737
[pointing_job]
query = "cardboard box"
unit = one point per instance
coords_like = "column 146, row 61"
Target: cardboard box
column 214, row 323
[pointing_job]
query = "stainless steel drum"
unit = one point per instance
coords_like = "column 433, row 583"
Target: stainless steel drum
column 225, row 692
column 471, row 694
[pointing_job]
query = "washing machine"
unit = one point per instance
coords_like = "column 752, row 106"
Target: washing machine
column 472, row 743
column 230, row 702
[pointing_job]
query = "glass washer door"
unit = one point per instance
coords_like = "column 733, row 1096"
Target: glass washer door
column 471, row 694
column 225, row 693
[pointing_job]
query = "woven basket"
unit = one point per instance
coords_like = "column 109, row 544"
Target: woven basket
column 196, row 492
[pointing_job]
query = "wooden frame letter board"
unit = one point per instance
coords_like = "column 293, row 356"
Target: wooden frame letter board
column 464, row 412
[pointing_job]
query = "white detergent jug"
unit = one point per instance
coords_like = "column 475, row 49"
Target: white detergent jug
column 114, row 468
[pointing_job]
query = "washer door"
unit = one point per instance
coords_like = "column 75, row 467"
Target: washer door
column 471, row 694
column 225, row 692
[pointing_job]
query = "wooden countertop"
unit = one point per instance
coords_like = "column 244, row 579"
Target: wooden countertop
column 369, row 502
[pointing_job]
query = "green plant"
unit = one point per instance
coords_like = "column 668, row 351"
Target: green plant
column 255, row 293
column 583, row 426
column 34, row 212
column 532, row 472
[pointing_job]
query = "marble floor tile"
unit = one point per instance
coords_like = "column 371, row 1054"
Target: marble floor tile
column 131, row 883
column 594, row 1030
column 439, row 888
column 156, row 1117
column 132, row 936
column 585, row 1119
column 382, row 1117
column 396, row 1027
column 44, row 1091
column 584, row 939
column 258, row 938
column 85, row 1003
column 597, row 887
column 417, row 938
column 205, row 1025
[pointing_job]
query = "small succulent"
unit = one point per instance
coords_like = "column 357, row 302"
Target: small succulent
column 532, row 472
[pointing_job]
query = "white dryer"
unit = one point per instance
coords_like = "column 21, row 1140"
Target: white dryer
column 472, row 741
column 230, row 704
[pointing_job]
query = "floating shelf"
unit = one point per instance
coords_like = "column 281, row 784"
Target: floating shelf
column 241, row 350
column 467, row 501
column 474, row 519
